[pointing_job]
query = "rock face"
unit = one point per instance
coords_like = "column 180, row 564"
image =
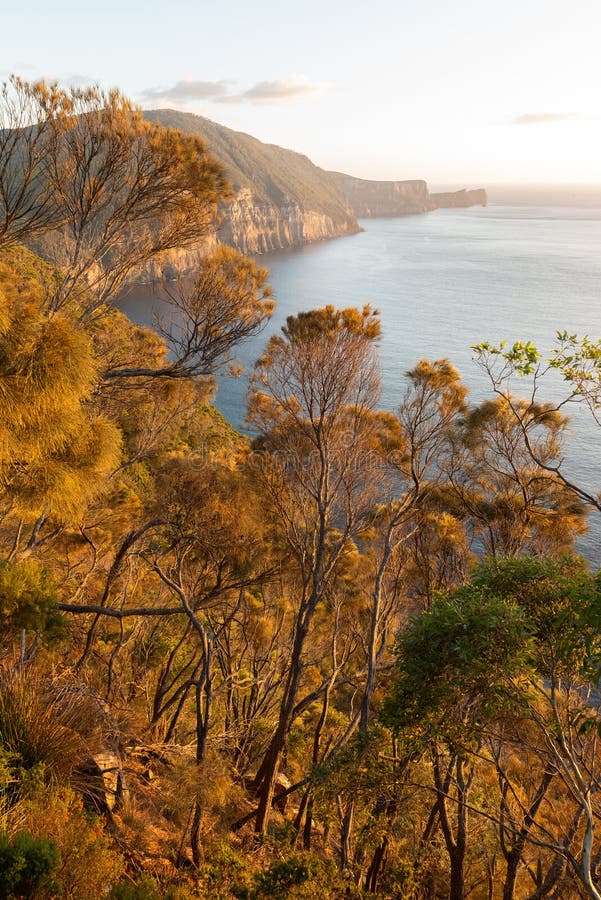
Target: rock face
column 105, row 786
column 281, row 199
column 373, row 199
column 258, row 226
column 458, row 199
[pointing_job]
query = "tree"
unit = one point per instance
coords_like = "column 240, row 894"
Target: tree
column 109, row 190
column 502, row 667
column 577, row 360
column 312, row 401
column 513, row 500
column 56, row 448
column 228, row 302
column 31, row 119
column 455, row 665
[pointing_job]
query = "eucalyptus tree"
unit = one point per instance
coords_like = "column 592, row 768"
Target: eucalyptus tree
column 32, row 116
column 108, row 190
column 313, row 398
column 578, row 363
column 511, row 499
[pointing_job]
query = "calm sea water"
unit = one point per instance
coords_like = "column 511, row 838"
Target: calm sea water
column 524, row 267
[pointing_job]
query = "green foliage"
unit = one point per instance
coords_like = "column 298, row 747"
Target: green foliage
column 522, row 356
column 464, row 654
column 576, row 359
column 28, row 597
column 28, row 865
column 562, row 602
column 146, row 888
column 473, row 654
column 298, row 876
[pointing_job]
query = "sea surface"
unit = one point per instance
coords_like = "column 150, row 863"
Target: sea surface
column 524, row 267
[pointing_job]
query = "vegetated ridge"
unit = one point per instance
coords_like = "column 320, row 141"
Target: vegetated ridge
column 281, row 199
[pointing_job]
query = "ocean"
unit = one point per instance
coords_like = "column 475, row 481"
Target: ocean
column 522, row 268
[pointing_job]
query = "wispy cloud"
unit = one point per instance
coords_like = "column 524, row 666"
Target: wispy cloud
column 187, row 92
column 545, row 118
column 264, row 92
column 280, row 91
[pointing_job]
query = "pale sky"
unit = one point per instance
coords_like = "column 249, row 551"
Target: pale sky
column 453, row 91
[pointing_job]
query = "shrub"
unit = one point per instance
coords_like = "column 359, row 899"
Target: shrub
column 88, row 866
column 27, row 865
column 45, row 727
column 28, row 598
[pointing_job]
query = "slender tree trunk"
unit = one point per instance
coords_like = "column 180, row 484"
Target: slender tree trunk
column 514, row 857
column 346, row 837
column 203, row 716
column 456, row 844
column 268, row 770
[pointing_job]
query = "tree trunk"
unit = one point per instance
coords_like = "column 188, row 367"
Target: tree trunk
column 268, row 770
column 514, row 857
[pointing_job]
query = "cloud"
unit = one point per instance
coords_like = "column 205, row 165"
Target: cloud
column 186, row 92
column 544, row 118
column 276, row 91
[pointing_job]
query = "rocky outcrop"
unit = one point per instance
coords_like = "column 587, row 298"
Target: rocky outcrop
column 459, row 199
column 103, row 782
column 373, row 199
column 254, row 227
column 257, row 226
column 282, row 199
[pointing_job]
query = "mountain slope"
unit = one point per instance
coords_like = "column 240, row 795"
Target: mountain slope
column 281, row 198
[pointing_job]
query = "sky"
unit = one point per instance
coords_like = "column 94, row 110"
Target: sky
column 473, row 92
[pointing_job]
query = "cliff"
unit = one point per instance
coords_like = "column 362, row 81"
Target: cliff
column 281, row 199
column 458, row 199
column 373, row 199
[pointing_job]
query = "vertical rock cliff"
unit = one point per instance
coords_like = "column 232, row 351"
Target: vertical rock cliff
column 373, row 199
column 459, row 199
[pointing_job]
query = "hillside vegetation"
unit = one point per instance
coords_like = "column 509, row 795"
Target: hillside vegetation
column 270, row 173
column 353, row 657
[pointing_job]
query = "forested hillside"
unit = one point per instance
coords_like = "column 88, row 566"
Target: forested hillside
column 355, row 656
